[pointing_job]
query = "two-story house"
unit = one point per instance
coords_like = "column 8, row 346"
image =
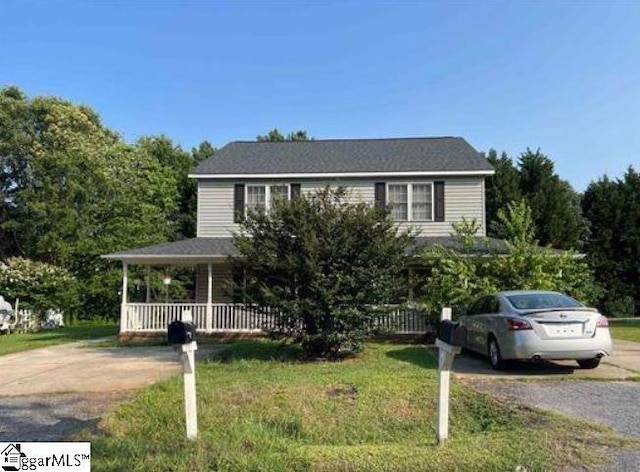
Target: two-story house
column 430, row 183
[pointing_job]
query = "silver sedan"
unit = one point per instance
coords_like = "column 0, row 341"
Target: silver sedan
column 536, row 325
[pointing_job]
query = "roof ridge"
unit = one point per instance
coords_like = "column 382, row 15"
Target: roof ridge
column 348, row 139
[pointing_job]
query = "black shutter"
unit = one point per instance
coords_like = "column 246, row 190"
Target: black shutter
column 381, row 195
column 295, row 191
column 438, row 189
column 238, row 203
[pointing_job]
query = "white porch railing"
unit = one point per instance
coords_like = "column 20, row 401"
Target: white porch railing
column 240, row 318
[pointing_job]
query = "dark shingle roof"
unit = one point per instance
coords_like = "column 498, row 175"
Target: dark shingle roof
column 202, row 249
column 195, row 248
column 446, row 154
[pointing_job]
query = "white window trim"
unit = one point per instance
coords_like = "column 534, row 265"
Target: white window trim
column 410, row 200
column 267, row 194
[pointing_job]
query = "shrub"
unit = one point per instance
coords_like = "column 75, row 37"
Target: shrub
column 39, row 286
column 328, row 267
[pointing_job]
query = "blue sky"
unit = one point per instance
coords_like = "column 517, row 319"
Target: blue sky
column 561, row 76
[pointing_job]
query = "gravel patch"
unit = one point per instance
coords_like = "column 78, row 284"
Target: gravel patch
column 615, row 404
column 53, row 417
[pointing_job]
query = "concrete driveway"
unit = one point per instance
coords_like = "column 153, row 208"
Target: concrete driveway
column 78, row 367
column 48, row 394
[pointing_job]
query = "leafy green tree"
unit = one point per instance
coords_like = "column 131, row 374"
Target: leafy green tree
column 612, row 208
column 327, row 266
column 458, row 276
column 275, row 136
column 72, row 190
column 181, row 223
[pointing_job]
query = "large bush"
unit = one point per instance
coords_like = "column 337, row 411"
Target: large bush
column 38, row 286
column 328, row 267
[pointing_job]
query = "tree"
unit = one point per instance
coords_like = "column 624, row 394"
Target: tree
column 275, row 136
column 502, row 187
column 327, row 267
column 72, row 190
column 612, row 208
column 457, row 276
column 555, row 206
column 181, row 224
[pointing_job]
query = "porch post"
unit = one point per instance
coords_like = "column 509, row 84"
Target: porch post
column 124, row 322
column 148, row 284
column 209, row 297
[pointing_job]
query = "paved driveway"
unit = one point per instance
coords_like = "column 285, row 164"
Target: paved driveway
column 47, row 394
column 78, row 367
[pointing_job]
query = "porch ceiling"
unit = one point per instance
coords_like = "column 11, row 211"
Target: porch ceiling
column 185, row 252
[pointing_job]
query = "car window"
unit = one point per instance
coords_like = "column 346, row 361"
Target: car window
column 493, row 305
column 485, row 305
column 540, row 301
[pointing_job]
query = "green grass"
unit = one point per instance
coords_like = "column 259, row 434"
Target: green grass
column 17, row 342
column 261, row 410
column 628, row 330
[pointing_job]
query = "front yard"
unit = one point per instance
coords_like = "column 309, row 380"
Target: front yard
column 17, row 342
column 260, row 409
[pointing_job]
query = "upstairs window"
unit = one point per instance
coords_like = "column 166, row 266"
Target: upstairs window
column 256, row 199
column 260, row 198
column 411, row 202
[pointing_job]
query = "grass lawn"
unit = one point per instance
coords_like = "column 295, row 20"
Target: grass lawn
column 260, row 410
column 628, row 330
column 16, row 342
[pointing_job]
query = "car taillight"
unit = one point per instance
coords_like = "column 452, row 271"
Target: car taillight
column 514, row 324
column 602, row 322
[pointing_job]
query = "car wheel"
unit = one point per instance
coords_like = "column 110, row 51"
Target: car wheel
column 495, row 358
column 589, row 363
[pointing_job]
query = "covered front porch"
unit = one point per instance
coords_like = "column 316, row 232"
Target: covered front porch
column 213, row 309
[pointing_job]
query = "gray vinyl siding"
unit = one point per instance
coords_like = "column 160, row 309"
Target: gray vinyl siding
column 215, row 209
column 221, row 274
column 464, row 197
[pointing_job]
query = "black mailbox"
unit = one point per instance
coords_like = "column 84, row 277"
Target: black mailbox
column 452, row 333
column 181, row 332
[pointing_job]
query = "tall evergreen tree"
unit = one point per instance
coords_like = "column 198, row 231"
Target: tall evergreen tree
column 501, row 188
column 554, row 204
column 612, row 208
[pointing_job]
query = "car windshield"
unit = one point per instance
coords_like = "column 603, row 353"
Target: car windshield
column 540, row 301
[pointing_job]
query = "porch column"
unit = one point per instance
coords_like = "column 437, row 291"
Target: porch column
column 148, row 285
column 209, row 297
column 124, row 322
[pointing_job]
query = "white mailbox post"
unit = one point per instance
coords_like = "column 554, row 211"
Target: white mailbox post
column 446, row 354
column 182, row 335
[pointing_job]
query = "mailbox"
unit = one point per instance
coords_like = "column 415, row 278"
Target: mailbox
column 181, row 332
column 452, row 333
